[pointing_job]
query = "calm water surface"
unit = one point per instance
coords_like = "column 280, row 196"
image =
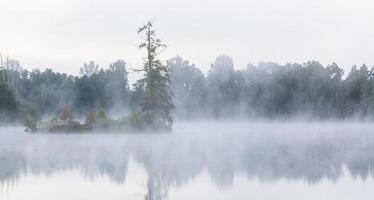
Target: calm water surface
column 197, row 161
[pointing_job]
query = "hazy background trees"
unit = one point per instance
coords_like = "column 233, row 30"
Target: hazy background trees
column 189, row 86
column 45, row 93
column 265, row 90
column 8, row 105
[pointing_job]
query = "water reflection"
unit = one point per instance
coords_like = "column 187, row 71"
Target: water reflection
column 261, row 152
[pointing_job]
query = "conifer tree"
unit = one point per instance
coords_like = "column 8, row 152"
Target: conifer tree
column 157, row 104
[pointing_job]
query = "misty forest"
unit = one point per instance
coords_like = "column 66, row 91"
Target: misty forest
column 28, row 96
column 178, row 89
column 124, row 112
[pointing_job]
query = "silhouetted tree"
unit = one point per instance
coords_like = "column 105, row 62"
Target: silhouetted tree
column 157, row 103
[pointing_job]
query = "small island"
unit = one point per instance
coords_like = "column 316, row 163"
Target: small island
column 155, row 113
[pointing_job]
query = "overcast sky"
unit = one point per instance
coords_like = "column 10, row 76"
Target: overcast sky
column 63, row 34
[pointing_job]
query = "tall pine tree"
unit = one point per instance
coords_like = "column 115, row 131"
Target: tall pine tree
column 157, row 104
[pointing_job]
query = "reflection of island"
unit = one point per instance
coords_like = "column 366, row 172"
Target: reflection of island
column 173, row 160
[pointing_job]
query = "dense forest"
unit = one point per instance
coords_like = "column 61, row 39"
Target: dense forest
column 29, row 96
column 266, row 90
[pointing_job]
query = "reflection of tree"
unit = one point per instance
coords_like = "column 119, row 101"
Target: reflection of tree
column 11, row 167
column 156, row 188
column 157, row 185
column 310, row 162
column 48, row 156
column 174, row 160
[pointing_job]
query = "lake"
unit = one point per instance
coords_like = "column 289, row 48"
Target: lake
column 198, row 160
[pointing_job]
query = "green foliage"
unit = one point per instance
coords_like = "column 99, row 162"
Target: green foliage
column 102, row 121
column 143, row 122
column 157, row 104
column 64, row 123
column 265, row 90
column 47, row 91
column 31, row 122
column 136, row 121
column 8, row 105
column 189, row 86
column 270, row 90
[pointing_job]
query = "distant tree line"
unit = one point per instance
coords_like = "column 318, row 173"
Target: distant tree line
column 44, row 93
column 269, row 90
column 266, row 90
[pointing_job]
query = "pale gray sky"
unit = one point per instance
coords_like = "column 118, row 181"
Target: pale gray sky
column 63, row 34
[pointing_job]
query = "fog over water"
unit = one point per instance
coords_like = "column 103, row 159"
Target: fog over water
column 186, row 100
column 199, row 160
